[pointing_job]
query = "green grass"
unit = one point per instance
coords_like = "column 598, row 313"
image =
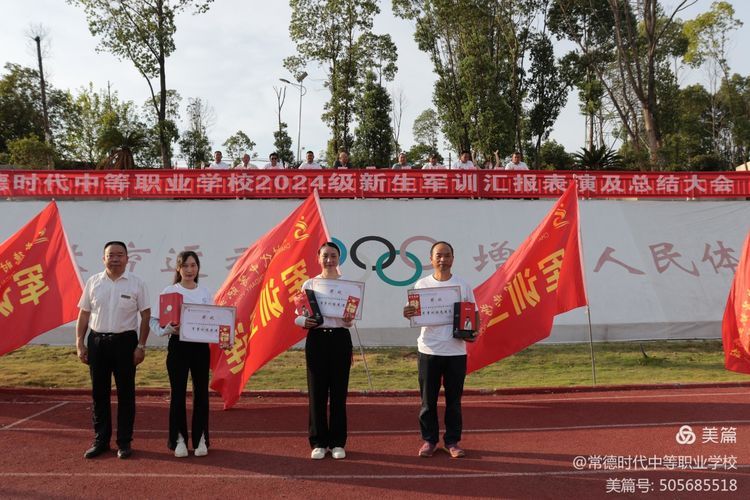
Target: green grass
column 395, row 368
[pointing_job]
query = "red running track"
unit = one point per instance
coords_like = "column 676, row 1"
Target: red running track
column 606, row 444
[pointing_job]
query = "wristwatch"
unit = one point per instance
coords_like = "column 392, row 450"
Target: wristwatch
column 142, row 347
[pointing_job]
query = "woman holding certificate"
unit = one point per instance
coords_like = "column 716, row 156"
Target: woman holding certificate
column 186, row 357
column 328, row 353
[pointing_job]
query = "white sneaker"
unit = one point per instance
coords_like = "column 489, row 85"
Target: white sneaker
column 180, row 451
column 338, row 453
column 202, row 449
column 318, row 453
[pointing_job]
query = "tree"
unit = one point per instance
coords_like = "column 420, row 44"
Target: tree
column 142, row 31
column 282, row 142
column 237, row 145
column 643, row 37
column 337, row 34
column 552, row 156
column 373, row 136
column 194, row 143
column 85, row 127
column 151, row 154
column 21, row 112
column 548, row 91
column 30, row 152
column 478, row 49
column 426, row 129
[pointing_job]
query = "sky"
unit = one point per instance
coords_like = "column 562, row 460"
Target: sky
column 231, row 57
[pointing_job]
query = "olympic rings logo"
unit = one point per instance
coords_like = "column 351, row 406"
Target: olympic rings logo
column 387, row 259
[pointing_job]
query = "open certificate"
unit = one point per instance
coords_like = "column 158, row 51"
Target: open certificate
column 208, row 324
column 339, row 298
column 434, row 304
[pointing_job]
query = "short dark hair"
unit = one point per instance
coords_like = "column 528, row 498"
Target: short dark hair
column 117, row 243
column 330, row 244
column 222, row 154
column 274, row 154
column 309, row 153
column 466, row 151
column 181, row 258
column 517, row 153
column 432, row 248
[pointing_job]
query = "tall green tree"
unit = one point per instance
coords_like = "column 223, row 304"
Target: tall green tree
column 21, row 112
column 338, row 36
column 426, row 129
column 373, row 136
column 142, row 32
column 237, row 145
column 194, row 144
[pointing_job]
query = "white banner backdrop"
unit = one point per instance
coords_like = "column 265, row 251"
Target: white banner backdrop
column 654, row 269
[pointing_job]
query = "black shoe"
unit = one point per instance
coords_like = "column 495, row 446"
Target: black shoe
column 96, row 450
column 124, row 452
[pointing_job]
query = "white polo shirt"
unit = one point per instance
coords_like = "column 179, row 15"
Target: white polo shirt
column 114, row 305
column 310, row 166
column 438, row 340
column 516, row 166
column 218, row 166
column 463, row 165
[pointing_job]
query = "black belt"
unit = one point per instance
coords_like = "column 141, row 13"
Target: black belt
column 330, row 330
column 111, row 334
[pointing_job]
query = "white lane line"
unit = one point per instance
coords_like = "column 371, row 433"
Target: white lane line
column 31, row 417
column 438, row 473
column 415, row 430
column 410, row 400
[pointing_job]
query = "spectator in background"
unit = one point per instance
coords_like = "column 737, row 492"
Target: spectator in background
column 310, row 163
column 464, row 162
column 433, row 163
column 516, row 162
column 402, row 163
column 245, row 163
column 343, row 161
column 274, row 162
column 217, row 164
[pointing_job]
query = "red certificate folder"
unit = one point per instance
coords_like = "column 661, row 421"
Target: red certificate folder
column 307, row 305
column 170, row 305
column 465, row 321
column 414, row 301
column 350, row 310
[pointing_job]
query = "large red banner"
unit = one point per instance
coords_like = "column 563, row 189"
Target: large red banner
column 542, row 278
column 369, row 183
column 39, row 282
column 262, row 285
column 735, row 330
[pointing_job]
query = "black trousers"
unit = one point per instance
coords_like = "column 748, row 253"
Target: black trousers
column 195, row 358
column 112, row 354
column 328, row 352
column 451, row 370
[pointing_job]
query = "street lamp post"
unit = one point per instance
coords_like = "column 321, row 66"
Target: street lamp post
column 302, row 91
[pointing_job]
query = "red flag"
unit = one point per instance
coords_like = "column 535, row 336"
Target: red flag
column 39, row 281
column 542, row 278
column 262, row 285
column 735, row 331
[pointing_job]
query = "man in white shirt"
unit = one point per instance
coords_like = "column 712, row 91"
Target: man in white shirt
column 245, row 164
column 402, row 163
column 433, row 163
column 310, row 163
column 441, row 358
column 217, row 164
column 110, row 305
column 274, row 162
column 516, row 162
column 464, row 162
